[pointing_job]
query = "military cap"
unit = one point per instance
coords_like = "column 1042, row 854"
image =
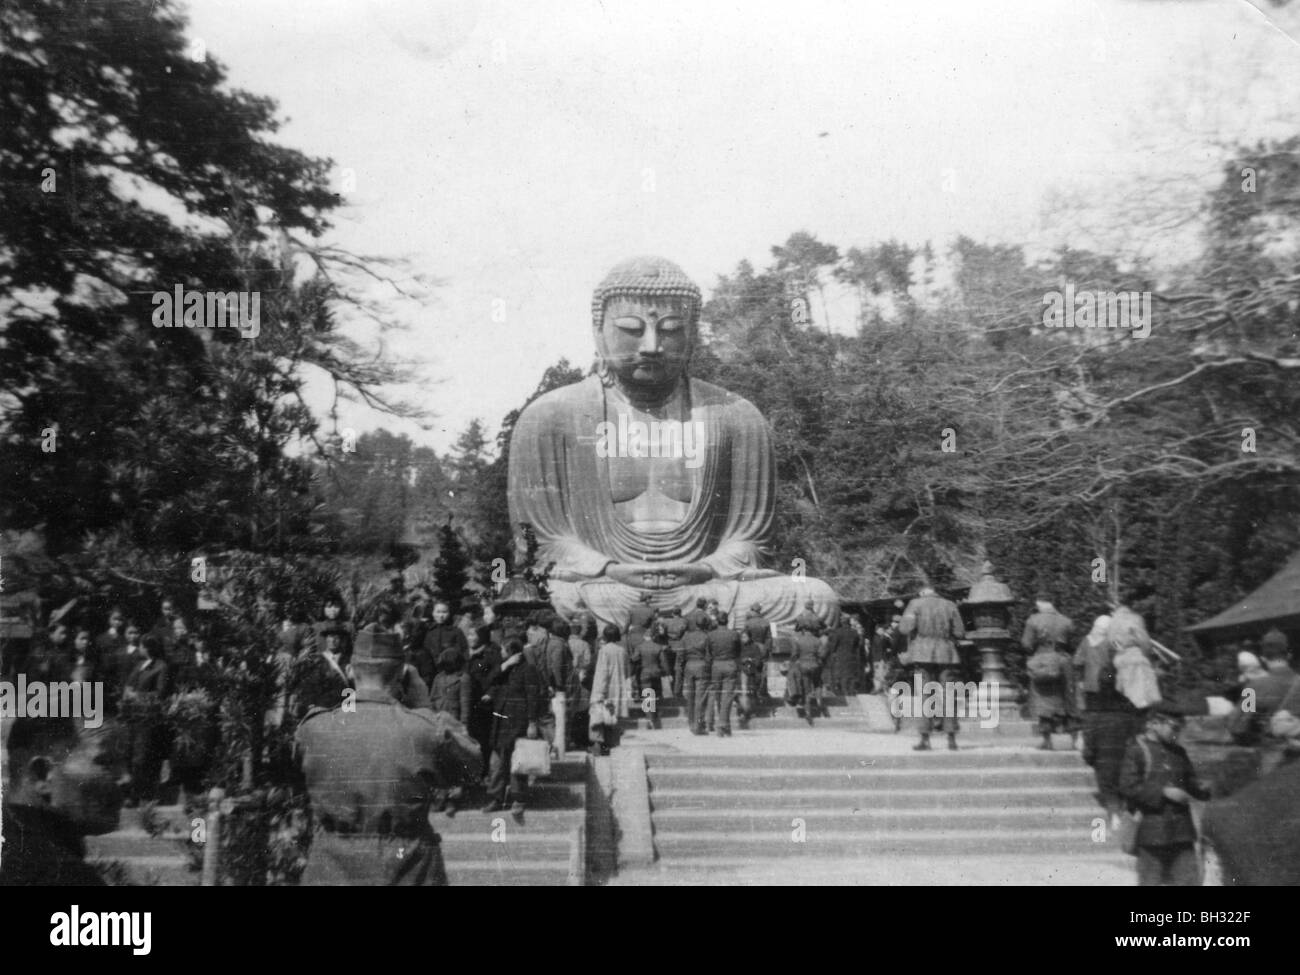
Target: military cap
column 1274, row 640
column 376, row 646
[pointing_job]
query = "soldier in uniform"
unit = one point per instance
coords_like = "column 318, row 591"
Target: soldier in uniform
column 758, row 634
column 724, row 665
column 649, row 668
column 675, row 631
column 371, row 767
column 1046, row 629
column 639, row 618
column 809, row 618
column 693, row 670
column 699, row 615
column 932, row 624
column 806, row 670
column 1050, row 672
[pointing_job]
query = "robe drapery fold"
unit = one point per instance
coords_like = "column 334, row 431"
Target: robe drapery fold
column 560, row 486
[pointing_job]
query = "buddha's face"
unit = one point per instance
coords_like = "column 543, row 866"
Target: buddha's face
column 646, row 341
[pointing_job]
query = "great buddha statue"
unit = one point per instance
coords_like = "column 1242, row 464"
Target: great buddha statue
column 640, row 479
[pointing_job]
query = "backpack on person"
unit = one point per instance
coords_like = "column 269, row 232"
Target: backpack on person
column 1045, row 668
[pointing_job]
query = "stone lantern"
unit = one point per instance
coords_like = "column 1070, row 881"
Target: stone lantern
column 989, row 607
column 517, row 599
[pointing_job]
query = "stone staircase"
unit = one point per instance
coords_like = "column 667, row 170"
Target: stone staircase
column 935, row 817
column 772, row 714
column 492, row 850
column 133, row 855
column 479, row 849
column 860, row 807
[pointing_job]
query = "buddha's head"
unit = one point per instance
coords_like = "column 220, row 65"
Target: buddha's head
column 644, row 314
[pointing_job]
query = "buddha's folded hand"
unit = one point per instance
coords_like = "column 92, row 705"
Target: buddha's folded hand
column 659, row 575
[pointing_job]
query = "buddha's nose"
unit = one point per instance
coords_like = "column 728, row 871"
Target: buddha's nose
column 650, row 340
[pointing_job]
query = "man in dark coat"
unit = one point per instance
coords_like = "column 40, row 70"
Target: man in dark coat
column 806, row 665
column 1158, row 781
column 518, row 703
column 724, row 668
column 758, row 633
column 441, row 635
column 1046, row 628
column 693, row 671
column 108, row 643
column 675, row 631
column 120, row 666
column 639, row 618
column 883, row 660
column 484, row 657
column 1262, row 697
column 809, row 618
column 372, row 768
column 142, row 701
column 164, row 626
column 932, row 624
column 649, row 668
column 844, row 658
column 700, row 614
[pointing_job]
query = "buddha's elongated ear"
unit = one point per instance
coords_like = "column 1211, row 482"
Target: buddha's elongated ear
column 602, row 349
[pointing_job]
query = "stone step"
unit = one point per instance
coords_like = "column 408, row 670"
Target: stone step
column 1029, row 797
column 940, row 759
column 515, row 844
column 676, row 845
column 911, row 868
column 779, row 821
column 136, row 842
column 146, row 871
column 519, row 873
column 940, row 779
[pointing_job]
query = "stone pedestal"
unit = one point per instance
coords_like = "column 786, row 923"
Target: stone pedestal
column 990, row 643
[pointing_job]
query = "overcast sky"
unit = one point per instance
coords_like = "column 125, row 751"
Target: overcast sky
column 517, row 150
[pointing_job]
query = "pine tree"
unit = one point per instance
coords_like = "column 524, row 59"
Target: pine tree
column 451, row 567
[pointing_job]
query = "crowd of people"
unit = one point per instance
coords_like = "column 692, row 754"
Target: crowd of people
column 570, row 682
column 1108, row 689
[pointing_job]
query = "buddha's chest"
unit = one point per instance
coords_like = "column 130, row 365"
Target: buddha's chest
column 651, row 464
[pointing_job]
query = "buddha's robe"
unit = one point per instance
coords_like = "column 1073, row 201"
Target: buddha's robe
column 560, row 485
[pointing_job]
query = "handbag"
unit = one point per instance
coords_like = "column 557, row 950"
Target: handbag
column 532, row 756
column 1284, row 723
column 1130, row 821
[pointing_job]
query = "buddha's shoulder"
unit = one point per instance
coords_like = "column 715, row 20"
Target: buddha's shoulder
column 707, row 394
column 585, row 393
column 587, row 397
